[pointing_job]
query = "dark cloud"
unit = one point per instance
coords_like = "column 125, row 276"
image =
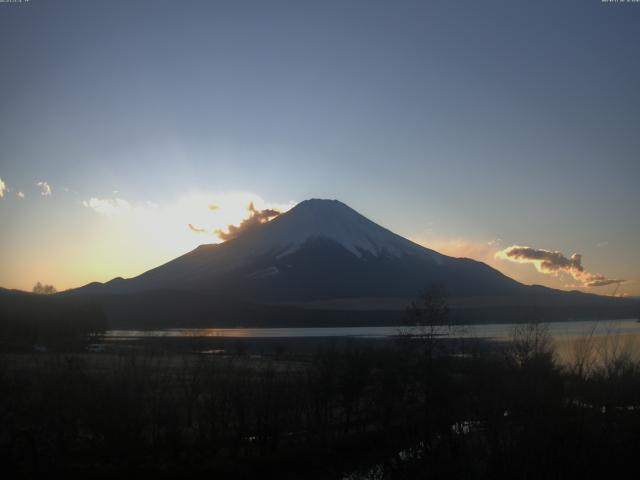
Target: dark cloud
column 552, row 262
column 196, row 229
column 546, row 261
column 256, row 217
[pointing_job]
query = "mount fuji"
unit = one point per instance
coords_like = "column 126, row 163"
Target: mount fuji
column 320, row 256
column 319, row 250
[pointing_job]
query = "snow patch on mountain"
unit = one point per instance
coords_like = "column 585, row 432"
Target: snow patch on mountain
column 265, row 272
column 317, row 219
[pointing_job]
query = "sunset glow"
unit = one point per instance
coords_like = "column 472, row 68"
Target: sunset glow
column 122, row 159
column 123, row 238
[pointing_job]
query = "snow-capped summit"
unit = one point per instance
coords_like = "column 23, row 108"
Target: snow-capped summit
column 335, row 221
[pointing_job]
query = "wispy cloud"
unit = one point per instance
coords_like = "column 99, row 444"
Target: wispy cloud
column 196, row 229
column 45, row 189
column 3, row 187
column 107, row 206
column 461, row 247
column 256, row 217
column 554, row 262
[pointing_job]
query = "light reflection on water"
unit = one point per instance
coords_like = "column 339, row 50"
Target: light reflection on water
column 559, row 330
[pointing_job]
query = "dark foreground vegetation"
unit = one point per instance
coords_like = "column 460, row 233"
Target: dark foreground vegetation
column 418, row 408
column 47, row 322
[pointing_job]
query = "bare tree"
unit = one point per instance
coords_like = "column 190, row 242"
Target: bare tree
column 530, row 342
column 429, row 315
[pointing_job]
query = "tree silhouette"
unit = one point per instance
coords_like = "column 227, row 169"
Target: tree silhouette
column 45, row 289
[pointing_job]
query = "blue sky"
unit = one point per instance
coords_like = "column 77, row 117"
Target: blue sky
column 468, row 126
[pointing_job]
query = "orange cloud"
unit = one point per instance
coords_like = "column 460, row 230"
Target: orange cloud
column 196, row 229
column 553, row 262
column 256, row 217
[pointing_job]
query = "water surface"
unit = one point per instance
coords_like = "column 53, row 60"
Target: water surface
column 583, row 328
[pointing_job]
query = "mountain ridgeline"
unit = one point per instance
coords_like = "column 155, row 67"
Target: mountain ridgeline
column 324, row 263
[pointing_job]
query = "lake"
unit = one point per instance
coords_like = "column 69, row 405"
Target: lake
column 583, row 328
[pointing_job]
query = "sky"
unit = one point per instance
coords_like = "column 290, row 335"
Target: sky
column 470, row 127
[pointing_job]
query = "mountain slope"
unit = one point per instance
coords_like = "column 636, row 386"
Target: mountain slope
column 321, row 249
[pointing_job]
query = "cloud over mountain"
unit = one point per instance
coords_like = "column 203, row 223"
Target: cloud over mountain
column 256, row 217
column 553, row 262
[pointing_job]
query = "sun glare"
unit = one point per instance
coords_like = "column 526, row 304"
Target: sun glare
column 192, row 220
